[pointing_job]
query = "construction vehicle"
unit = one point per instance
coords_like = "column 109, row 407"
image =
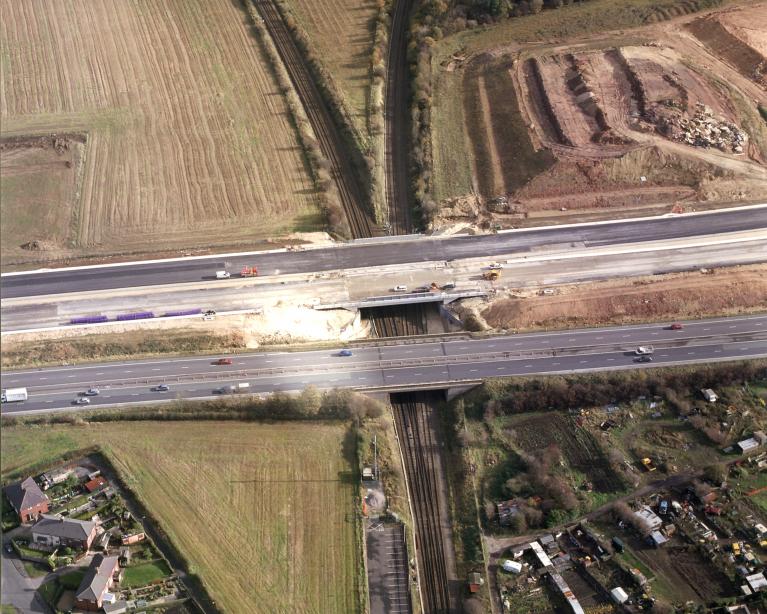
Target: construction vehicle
column 249, row 271
column 648, row 464
column 492, row 275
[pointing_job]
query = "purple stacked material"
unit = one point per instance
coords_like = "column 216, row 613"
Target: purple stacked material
column 141, row 315
column 88, row 320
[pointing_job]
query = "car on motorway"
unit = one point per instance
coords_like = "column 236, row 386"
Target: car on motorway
column 676, row 326
column 92, row 392
column 644, row 358
column 223, row 274
column 161, row 388
column 495, row 265
column 345, row 353
column 219, row 390
column 223, row 361
column 82, row 401
column 449, row 286
column 400, row 288
column 643, row 350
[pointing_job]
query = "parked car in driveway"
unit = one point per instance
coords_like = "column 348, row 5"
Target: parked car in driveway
column 161, row 388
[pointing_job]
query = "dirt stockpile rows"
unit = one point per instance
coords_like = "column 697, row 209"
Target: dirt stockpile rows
column 330, row 139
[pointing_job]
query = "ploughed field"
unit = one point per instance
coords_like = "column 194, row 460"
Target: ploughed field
column 262, row 512
column 171, row 132
column 661, row 117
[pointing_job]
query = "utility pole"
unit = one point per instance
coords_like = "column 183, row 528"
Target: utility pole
column 375, row 456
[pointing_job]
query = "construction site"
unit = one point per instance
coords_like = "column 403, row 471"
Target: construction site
column 664, row 117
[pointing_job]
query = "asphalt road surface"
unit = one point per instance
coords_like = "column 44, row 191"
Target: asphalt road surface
column 398, row 251
column 427, row 363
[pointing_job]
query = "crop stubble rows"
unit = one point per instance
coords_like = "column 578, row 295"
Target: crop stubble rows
column 188, row 138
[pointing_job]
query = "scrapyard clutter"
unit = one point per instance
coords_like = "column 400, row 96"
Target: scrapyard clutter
column 74, row 521
column 686, row 546
column 703, row 129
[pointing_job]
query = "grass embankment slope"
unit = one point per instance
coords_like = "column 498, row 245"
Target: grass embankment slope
column 187, row 140
column 341, row 36
column 261, row 511
column 450, row 120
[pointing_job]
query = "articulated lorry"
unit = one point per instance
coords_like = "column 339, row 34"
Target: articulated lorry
column 11, row 395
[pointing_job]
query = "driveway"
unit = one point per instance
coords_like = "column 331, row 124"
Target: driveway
column 16, row 588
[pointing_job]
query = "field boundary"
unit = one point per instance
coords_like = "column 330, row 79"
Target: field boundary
column 362, row 152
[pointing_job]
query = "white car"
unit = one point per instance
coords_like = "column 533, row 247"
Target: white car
column 643, row 350
column 223, row 275
column 400, row 288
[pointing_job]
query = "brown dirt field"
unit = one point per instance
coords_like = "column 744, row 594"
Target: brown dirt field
column 38, row 189
column 731, row 291
column 736, row 45
column 749, row 24
column 578, row 446
column 189, row 143
column 577, row 127
column 687, row 571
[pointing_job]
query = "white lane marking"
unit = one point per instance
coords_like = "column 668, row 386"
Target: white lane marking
column 41, row 379
column 100, row 373
column 611, row 360
column 70, row 376
column 583, row 362
column 554, row 364
column 472, row 370
column 155, row 369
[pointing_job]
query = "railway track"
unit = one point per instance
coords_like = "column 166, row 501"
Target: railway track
column 400, row 321
column 396, row 129
column 330, row 140
column 417, row 439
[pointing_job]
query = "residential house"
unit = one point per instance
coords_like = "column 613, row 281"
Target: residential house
column 99, row 578
column 27, row 499
column 97, row 484
column 56, row 531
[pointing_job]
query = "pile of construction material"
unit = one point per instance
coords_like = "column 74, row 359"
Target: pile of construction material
column 702, row 130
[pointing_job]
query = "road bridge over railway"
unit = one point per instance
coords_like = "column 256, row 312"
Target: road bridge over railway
column 412, row 298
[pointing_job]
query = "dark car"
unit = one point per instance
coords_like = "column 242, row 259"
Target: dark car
column 161, row 388
column 644, row 358
column 345, row 353
column 676, row 326
column 223, row 361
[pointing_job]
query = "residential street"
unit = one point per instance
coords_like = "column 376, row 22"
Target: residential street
column 18, row 589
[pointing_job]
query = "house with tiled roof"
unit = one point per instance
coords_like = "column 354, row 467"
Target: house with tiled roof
column 99, row 578
column 27, row 500
column 54, row 531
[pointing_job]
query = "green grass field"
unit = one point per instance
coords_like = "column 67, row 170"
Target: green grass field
column 263, row 512
column 140, row 575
